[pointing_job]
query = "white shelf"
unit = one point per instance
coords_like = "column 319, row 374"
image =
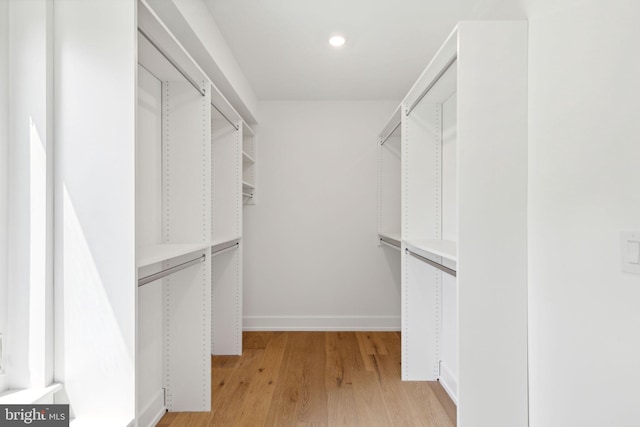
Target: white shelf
column 246, row 185
column 429, row 247
column 148, row 255
column 246, row 130
column 247, row 158
column 28, row 396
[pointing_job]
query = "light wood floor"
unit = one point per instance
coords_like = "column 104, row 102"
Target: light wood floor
column 318, row 379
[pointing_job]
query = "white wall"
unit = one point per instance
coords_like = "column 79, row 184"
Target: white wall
column 95, row 270
column 583, row 190
column 4, row 166
column 584, row 99
column 311, row 254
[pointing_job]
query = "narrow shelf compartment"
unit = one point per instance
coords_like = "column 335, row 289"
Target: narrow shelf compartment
column 429, row 247
column 148, row 255
column 247, row 159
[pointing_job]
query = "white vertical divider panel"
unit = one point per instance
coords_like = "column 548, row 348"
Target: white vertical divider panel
column 449, row 341
column 421, row 200
column 95, row 265
column 186, row 133
column 226, row 214
column 492, row 256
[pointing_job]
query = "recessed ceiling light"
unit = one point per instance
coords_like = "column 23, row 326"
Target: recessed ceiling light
column 336, row 41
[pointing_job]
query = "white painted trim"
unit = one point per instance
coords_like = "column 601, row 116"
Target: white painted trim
column 449, row 382
column 153, row 411
column 321, row 323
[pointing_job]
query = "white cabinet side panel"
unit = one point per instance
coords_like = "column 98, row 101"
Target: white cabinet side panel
column 186, row 179
column 187, row 359
column 492, row 257
column 421, row 300
column 186, row 208
column 449, row 170
column 95, row 270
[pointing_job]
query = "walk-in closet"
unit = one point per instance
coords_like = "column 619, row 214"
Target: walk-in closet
column 241, row 213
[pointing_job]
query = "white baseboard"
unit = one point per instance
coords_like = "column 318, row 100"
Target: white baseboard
column 151, row 414
column 321, row 323
column 449, row 382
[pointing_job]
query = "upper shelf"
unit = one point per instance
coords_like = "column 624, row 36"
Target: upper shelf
column 152, row 254
column 429, row 247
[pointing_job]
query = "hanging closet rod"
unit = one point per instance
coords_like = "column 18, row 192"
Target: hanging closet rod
column 389, row 134
column 432, row 263
column 432, row 84
column 389, row 243
column 172, row 62
column 249, row 195
column 159, row 275
column 236, row 127
column 226, row 249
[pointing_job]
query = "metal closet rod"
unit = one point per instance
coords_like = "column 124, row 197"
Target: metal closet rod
column 236, row 127
column 225, row 249
column 249, row 195
column 172, row 62
column 389, row 134
column 389, row 243
column 160, row 274
column 184, row 74
column 432, row 263
column 432, row 84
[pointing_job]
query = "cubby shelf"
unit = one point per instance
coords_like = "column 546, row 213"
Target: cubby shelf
column 247, row 158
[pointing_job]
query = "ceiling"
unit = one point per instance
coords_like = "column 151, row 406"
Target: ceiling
column 282, row 45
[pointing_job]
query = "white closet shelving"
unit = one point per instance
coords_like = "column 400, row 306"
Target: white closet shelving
column 464, row 143
column 226, row 231
column 173, row 225
column 248, row 164
column 148, row 220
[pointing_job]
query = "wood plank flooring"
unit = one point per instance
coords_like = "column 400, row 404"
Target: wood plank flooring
column 319, row 379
